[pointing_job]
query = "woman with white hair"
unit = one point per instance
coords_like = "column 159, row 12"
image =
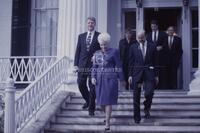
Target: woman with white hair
column 105, row 73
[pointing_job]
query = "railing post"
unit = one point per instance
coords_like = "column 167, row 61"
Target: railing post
column 9, row 122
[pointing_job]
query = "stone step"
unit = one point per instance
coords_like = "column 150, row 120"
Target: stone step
column 154, row 114
column 58, row 128
column 155, row 96
column 171, row 112
column 155, row 101
column 129, row 121
column 177, row 92
column 121, row 107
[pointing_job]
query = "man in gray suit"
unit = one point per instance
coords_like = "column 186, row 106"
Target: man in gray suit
column 142, row 58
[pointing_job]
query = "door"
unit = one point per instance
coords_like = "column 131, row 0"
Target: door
column 165, row 16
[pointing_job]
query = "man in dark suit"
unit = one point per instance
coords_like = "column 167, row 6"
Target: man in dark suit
column 142, row 71
column 124, row 46
column 158, row 37
column 173, row 53
column 87, row 45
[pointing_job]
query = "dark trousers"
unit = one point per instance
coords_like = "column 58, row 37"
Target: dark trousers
column 87, row 94
column 125, row 71
column 172, row 77
column 163, row 72
column 148, row 87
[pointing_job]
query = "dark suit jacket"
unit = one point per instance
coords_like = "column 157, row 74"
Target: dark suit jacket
column 124, row 47
column 173, row 55
column 138, row 66
column 82, row 56
column 160, row 42
column 161, row 37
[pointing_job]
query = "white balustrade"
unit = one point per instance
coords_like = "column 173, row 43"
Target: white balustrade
column 39, row 92
column 24, row 69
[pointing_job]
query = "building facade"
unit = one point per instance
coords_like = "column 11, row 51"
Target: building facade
column 51, row 27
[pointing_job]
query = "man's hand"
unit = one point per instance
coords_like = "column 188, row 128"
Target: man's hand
column 159, row 48
column 93, row 80
column 75, row 69
column 157, row 80
column 130, row 80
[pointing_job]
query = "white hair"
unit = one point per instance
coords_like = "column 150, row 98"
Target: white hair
column 104, row 38
column 141, row 32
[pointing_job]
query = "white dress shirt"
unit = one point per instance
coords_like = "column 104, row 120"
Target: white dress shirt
column 170, row 43
column 145, row 48
column 153, row 33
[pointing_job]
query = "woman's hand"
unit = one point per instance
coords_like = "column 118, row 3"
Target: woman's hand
column 94, row 81
column 130, row 80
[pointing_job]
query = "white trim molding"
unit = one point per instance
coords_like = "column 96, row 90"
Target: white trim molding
column 195, row 84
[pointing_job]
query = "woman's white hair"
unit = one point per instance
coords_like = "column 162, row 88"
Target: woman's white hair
column 104, row 38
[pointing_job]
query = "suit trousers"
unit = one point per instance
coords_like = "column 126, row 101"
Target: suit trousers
column 163, row 72
column 87, row 94
column 125, row 71
column 148, row 87
column 172, row 77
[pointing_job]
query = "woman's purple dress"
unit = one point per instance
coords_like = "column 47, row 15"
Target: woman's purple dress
column 107, row 70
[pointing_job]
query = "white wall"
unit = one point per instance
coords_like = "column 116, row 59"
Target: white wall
column 5, row 27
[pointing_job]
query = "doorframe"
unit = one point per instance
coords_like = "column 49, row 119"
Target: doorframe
column 179, row 32
column 123, row 19
column 186, row 39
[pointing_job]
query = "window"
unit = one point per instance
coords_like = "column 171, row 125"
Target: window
column 44, row 27
column 20, row 27
column 195, row 41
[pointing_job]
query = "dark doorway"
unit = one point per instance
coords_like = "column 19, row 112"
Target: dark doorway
column 130, row 21
column 20, row 27
column 165, row 17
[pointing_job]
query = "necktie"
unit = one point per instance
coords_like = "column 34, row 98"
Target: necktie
column 143, row 51
column 170, row 42
column 88, row 41
column 154, row 38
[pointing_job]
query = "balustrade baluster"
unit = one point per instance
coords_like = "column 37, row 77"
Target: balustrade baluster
column 9, row 123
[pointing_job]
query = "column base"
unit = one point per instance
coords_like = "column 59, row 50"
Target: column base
column 195, row 84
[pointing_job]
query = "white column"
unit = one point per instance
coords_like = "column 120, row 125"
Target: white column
column 72, row 22
column 186, row 40
column 5, row 27
column 102, row 23
column 195, row 84
column 9, row 122
column 139, row 19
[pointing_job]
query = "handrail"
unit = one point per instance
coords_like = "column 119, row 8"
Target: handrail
column 24, row 69
column 40, row 91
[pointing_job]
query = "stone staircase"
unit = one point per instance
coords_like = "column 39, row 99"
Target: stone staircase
column 172, row 112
